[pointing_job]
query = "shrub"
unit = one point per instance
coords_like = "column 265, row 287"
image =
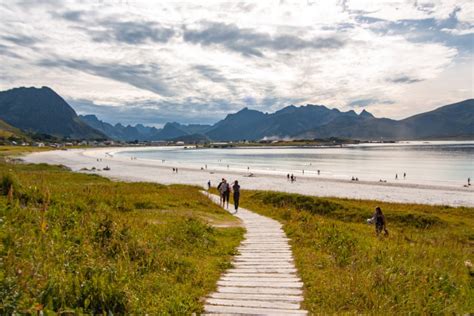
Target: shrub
column 9, row 181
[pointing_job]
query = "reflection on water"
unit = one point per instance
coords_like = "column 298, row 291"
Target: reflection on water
column 433, row 162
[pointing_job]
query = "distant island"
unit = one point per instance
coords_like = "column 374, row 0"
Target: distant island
column 41, row 113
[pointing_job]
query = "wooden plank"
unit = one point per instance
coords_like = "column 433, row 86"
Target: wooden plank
column 274, row 284
column 253, row 311
column 263, row 297
column 253, row 303
column 258, row 290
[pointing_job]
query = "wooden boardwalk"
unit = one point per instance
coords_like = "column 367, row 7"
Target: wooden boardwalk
column 263, row 280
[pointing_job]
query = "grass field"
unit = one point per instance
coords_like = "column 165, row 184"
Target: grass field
column 82, row 243
column 76, row 242
column 422, row 267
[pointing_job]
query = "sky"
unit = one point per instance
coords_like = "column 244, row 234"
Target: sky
column 151, row 62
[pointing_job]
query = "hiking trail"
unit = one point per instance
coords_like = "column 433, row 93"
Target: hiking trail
column 263, row 280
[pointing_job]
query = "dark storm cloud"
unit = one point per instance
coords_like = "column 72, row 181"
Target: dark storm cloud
column 146, row 77
column 404, row 79
column 132, row 32
column 250, row 42
column 369, row 101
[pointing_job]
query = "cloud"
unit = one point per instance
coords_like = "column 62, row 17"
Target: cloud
column 7, row 51
column 448, row 30
column 74, row 15
column 404, row 79
column 154, row 113
column 132, row 32
column 20, row 40
column 147, row 77
column 369, row 101
column 186, row 61
column 210, row 73
column 249, row 42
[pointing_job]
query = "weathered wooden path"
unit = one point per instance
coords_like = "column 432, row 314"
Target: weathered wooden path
column 263, row 280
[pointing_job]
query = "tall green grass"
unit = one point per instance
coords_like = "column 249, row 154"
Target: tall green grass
column 420, row 268
column 82, row 243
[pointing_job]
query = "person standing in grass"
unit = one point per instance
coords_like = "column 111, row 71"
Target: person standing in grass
column 236, row 189
column 379, row 220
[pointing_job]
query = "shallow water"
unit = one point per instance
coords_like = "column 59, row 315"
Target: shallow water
column 432, row 162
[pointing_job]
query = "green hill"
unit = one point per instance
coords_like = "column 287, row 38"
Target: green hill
column 8, row 132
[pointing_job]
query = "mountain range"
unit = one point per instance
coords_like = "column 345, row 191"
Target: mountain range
column 44, row 111
column 144, row 133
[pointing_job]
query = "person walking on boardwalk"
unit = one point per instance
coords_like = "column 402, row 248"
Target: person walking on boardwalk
column 379, row 220
column 225, row 189
column 221, row 196
column 236, row 189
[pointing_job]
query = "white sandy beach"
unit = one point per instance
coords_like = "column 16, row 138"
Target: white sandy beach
column 124, row 168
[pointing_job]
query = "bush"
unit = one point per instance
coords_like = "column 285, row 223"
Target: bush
column 300, row 202
column 416, row 220
column 9, row 181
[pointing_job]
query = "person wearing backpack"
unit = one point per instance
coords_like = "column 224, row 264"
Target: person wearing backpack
column 224, row 189
column 221, row 196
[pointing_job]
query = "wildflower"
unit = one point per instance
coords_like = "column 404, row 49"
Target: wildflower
column 468, row 264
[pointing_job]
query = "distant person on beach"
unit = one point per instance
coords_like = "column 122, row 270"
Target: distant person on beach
column 174, row 170
column 404, row 175
column 236, row 189
column 468, row 181
column 379, row 220
column 288, row 177
column 208, row 185
column 319, row 171
column 396, row 176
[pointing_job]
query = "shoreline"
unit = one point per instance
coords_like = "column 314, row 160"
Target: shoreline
column 155, row 171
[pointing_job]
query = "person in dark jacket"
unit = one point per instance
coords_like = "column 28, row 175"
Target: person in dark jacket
column 379, row 220
column 236, row 189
